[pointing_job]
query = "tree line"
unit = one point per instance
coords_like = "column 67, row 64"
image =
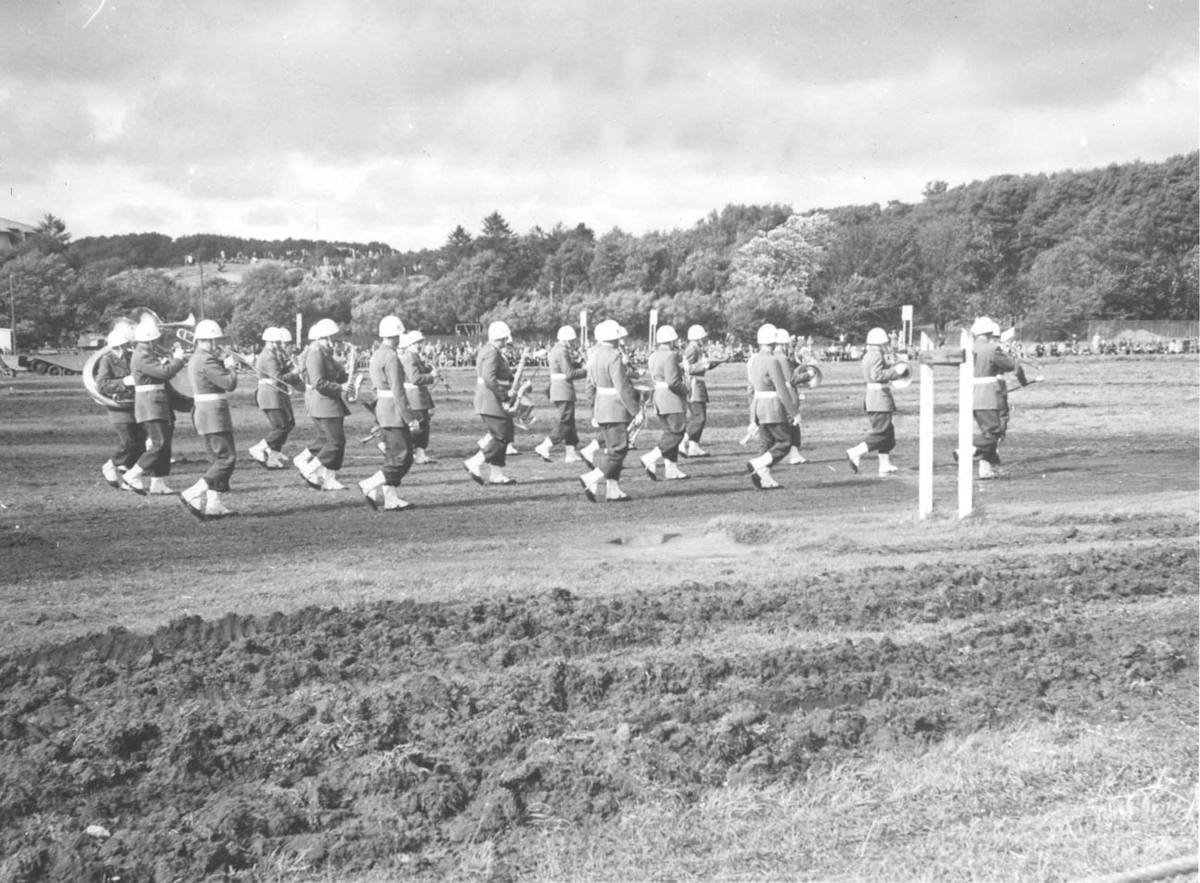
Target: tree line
column 1046, row 251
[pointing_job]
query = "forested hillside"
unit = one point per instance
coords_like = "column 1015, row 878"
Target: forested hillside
column 1048, row 251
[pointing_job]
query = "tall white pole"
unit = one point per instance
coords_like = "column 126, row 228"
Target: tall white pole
column 925, row 450
column 966, row 425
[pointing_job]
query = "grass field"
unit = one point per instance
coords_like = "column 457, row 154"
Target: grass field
column 711, row 683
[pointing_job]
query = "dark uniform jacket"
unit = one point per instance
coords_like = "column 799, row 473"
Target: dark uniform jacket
column 774, row 401
column 387, row 374
column 111, row 371
column 563, row 373
column 152, row 372
column 211, row 384
column 418, row 380
column 878, row 373
column 696, row 366
column 273, row 362
column 991, row 394
column 323, row 398
column 670, row 388
column 493, row 380
column 616, row 400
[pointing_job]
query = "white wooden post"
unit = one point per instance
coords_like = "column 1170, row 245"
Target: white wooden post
column 966, row 425
column 925, row 431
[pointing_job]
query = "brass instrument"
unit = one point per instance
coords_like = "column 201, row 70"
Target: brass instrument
column 638, row 423
column 143, row 316
column 354, row 377
column 519, row 403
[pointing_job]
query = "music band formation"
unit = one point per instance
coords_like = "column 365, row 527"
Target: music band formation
column 132, row 377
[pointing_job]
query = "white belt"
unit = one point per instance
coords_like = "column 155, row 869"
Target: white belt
column 766, row 394
column 149, row 387
column 878, row 385
column 209, row 397
column 558, row 376
column 266, row 381
column 606, row 390
column 385, row 394
column 659, row 384
column 408, row 385
column 984, row 380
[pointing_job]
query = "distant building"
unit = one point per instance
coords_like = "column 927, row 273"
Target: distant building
column 13, row 233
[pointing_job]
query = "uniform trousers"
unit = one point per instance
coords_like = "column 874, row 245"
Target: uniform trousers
column 501, row 431
column 882, row 437
column 564, row 431
column 156, row 461
column 282, row 423
column 329, row 447
column 420, row 438
column 989, row 429
column 610, row 459
column 696, row 420
column 220, row 448
column 673, row 429
column 775, row 439
column 397, row 453
column 131, row 443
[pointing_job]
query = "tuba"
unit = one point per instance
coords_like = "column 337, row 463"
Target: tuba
column 89, row 369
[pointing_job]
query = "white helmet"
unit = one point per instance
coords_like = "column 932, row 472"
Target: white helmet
column 766, row 334
column 666, row 334
column 697, row 332
column 781, row 336
column 207, row 329
column 566, row 333
column 408, row 338
column 285, row 336
column 322, row 329
column 144, row 332
column 608, row 330
column 984, row 325
column 390, row 326
column 121, row 334
column 499, row 331
column 877, row 337
column 270, row 334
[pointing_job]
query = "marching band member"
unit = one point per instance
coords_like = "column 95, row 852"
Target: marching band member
column 113, row 379
column 616, row 402
column 774, row 407
column 493, row 382
column 212, row 380
column 990, row 403
column 152, row 372
column 878, row 371
column 320, row 461
column 276, row 404
column 670, row 403
column 396, row 419
column 564, row 371
column 419, row 378
column 695, row 366
column 782, row 342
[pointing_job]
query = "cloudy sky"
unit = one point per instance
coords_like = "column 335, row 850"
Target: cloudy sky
column 396, row 121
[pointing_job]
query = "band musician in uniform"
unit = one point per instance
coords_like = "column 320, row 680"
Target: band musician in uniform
column 493, row 383
column 774, row 409
column 320, row 461
column 114, row 380
column 396, row 420
column 695, row 365
column 419, row 377
column 990, row 399
column 670, row 404
column 565, row 369
column 615, row 404
column 212, row 378
column 879, row 369
column 275, row 403
column 152, row 370
column 783, row 342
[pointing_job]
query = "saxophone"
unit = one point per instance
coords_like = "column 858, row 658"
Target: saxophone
column 354, row 377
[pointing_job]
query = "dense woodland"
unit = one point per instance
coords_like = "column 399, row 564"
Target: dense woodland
column 1048, row 252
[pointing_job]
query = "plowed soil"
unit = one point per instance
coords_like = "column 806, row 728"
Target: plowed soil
column 425, row 714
